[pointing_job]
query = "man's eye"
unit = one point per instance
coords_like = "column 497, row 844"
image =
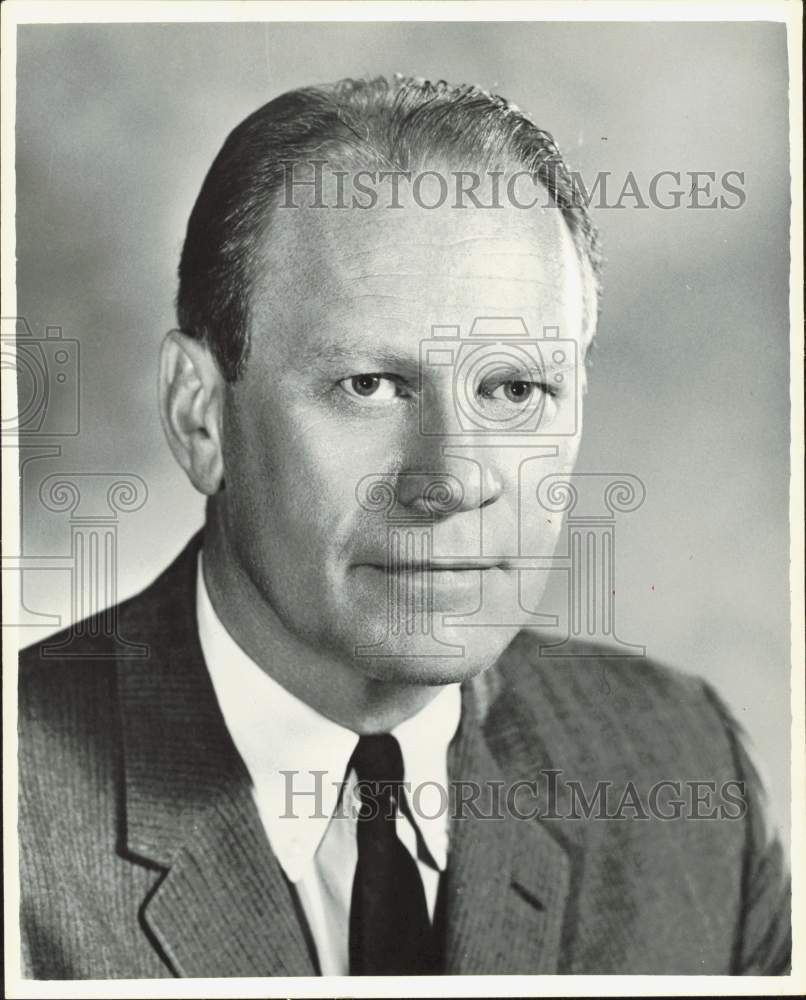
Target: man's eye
column 515, row 391
column 377, row 387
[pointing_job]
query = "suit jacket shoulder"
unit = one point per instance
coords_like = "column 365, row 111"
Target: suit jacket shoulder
column 628, row 713
column 76, row 880
column 647, row 765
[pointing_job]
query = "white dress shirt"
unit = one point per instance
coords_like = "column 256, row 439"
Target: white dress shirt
column 297, row 760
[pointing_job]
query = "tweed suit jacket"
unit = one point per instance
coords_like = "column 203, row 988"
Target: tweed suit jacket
column 142, row 853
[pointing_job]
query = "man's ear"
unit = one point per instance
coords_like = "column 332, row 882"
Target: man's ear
column 191, row 393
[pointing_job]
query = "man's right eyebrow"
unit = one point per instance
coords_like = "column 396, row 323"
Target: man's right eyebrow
column 357, row 351
column 331, row 352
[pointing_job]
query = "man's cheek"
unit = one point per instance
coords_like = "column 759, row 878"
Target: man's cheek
column 338, row 458
column 319, row 493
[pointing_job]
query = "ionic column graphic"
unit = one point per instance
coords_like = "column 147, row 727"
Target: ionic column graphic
column 94, row 501
column 590, row 502
column 409, row 551
column 17, row 562
column 510, row 610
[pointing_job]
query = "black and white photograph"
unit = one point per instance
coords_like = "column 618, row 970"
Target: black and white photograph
column 402, row 499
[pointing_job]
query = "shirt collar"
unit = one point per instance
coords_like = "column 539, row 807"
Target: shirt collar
column 297, row 758
column 424, row 739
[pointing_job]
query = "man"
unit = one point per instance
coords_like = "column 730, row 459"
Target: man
column 366, row 384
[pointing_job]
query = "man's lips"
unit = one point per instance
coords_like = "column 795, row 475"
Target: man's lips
column 448, row 579
column 437, row 565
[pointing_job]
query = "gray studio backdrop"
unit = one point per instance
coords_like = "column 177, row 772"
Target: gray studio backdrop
column 116, row 127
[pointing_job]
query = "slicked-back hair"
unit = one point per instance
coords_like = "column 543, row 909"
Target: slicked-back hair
column 395, row 124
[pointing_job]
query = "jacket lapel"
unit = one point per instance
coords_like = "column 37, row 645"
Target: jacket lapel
column 508, row 878
column 223, row 907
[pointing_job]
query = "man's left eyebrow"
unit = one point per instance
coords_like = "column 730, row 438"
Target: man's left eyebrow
column 530, row 366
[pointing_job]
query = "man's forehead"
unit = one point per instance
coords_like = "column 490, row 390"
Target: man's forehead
column 415, row 213
column 414, row 265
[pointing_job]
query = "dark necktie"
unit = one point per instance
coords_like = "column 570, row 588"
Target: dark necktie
column 390, row 931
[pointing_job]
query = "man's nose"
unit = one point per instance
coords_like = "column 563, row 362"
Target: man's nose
column 450, row 478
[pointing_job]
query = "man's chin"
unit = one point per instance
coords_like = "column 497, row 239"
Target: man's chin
column 450, row 656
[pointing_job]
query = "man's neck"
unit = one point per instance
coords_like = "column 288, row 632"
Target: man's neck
column 330, row 686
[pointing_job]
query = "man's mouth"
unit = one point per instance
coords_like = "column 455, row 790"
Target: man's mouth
column 437, row 565
column 447, row 578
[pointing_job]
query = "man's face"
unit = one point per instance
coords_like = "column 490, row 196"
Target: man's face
column 345, row 422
